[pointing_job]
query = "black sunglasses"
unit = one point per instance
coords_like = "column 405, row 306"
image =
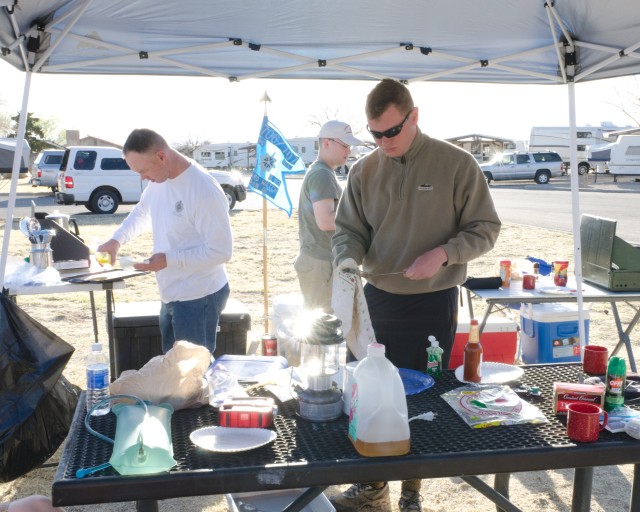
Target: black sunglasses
column 391, row 132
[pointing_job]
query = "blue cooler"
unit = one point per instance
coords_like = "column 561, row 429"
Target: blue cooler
column 549, row 333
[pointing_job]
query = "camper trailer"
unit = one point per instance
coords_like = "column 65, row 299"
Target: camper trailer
column 7, row 151
column 306, row 148
column 242, row 155
column 623, row 155
column 232, row 155
column 557, row 138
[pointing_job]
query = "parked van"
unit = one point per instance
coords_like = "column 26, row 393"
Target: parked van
column 98, row 178
column 622, row 156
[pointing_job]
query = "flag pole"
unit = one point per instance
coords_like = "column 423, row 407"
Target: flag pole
column 264, row 265
column 265, row 275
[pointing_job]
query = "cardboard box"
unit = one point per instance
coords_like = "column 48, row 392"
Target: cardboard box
column 549, row 333
column 565, row 393
column 499, row 340
column 136, row 334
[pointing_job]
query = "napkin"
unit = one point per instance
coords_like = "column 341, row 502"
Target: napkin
column 350, row 306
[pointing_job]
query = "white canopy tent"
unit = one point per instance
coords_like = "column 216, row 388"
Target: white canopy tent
column 490, row 41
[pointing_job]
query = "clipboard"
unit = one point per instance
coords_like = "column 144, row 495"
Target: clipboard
column 105, row 276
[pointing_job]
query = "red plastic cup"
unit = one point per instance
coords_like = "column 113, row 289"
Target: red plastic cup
column 594, row 360
column 528, row 282
column 583, row 422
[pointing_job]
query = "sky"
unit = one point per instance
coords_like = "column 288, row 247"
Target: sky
column 212, row 109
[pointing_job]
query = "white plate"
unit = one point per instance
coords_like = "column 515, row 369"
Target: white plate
column 127, row 262
column 557, row 290
column 494, row 373
column 228, row 439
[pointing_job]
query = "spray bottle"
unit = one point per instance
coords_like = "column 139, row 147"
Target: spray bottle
column 434, row 358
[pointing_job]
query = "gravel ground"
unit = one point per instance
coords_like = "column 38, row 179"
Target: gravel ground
column 69, row 317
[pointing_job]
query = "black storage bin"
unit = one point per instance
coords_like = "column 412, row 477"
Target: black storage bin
column 136, row 335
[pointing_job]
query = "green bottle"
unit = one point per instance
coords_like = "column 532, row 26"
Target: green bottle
column 434, row 358
column 615, row 383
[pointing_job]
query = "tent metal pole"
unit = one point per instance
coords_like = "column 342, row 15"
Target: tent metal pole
column 575, row 212
column 15, row 174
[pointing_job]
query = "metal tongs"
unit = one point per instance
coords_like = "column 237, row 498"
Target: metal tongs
column 367, row 275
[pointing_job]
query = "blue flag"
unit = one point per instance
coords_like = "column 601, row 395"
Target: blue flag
column 274, row 160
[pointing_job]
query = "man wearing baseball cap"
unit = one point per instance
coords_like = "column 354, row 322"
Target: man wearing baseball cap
column 316, row 214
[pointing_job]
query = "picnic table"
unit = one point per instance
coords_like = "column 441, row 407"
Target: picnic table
column 317, row 455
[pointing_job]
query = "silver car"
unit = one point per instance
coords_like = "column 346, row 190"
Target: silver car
column 45, row 168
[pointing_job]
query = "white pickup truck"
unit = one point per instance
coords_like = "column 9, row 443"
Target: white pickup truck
column 100, row 179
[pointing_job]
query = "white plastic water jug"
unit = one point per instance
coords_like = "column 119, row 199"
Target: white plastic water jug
column 378, row 418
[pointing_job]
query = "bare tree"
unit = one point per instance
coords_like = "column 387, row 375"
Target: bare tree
column 628, row 102
column 5, row 119
column 328, row 114
column 189, row 146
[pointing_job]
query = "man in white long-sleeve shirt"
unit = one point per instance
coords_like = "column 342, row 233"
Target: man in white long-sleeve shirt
column 187, row 212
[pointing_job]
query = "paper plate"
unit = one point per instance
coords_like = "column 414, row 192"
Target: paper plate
column 557, row 290
column 415, row 381
column 127, row 262
column 228, row 439
column 494, row 373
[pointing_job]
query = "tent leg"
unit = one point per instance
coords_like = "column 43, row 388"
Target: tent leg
column 15, row 174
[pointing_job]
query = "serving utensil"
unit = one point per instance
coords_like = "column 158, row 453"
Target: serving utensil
column 24, row 226
column 367, row 275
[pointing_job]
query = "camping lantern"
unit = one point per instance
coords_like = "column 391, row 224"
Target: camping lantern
column 320, row 400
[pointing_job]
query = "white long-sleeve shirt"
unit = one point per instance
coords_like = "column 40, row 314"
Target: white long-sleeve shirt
column 189, row 219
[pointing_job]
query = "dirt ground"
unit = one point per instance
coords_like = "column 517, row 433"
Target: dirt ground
column 69, row 317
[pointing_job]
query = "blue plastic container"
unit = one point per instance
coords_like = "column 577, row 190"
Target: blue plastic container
column 549, row 333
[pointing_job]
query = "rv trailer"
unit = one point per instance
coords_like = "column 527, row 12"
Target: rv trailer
column 623, row 155
column 558, row 138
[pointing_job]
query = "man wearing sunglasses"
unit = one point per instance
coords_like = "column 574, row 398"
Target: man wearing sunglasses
column 414, row 212
column 317, row 211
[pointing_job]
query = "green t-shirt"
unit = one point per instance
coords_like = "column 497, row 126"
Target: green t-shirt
column 319, row 182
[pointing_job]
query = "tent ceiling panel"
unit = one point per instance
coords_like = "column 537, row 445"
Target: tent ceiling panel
column 500, row 41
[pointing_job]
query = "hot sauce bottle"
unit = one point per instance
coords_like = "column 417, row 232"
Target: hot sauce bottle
column 473, row 354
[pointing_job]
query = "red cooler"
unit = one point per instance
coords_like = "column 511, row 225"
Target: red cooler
column 499, row 340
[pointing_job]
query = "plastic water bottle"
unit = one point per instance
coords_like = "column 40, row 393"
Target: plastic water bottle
column 97, row 379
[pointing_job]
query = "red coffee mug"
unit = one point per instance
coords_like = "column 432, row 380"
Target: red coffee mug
column 594, row 360
column 528, row 282
column 583, row 422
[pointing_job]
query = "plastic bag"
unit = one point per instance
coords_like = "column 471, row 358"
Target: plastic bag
column 176, row 377
column 492, row 406
column 222, row 385
column 36, row 403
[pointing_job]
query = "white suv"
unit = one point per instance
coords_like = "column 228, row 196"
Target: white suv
column 540, row 167
column 100, row 179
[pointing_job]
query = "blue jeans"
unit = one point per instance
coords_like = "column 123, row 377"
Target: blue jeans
column 192, row 320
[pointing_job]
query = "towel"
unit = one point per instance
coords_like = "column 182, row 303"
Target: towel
column 350, row 306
